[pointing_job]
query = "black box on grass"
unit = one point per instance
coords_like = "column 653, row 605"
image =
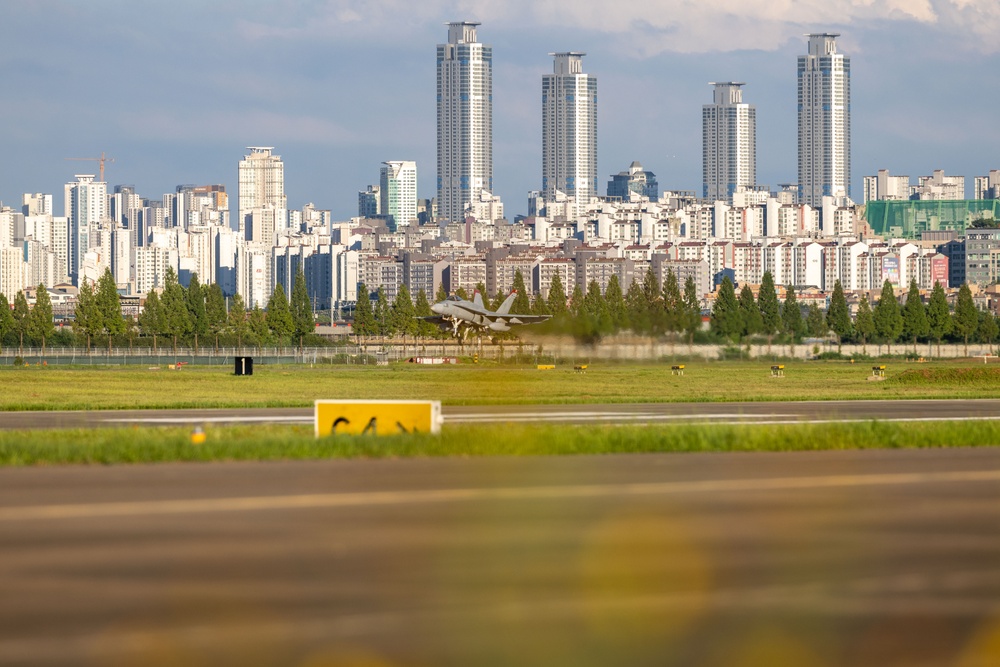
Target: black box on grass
column 244, row 365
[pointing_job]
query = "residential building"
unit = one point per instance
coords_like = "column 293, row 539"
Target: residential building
column 464, row 120
column 729, row 143
column 86, row 205
column 398, row 192
column 824, row 121
column 569, row 130
column 261, row 184
column 635, row 182
column 883, row 187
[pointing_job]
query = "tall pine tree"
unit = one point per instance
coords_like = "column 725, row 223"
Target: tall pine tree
column 864, row 323
column 915, row 324
column 966, row 317
column 364, row 314
column 303, row 323
column 938, row 315
column 41, row 325
column 770, row 308
column 838, row 317
column 888, row 319
column 727, row 320
column 791, row 315
column 279, row 315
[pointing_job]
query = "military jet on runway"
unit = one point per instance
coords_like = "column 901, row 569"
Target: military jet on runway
column 462, row 315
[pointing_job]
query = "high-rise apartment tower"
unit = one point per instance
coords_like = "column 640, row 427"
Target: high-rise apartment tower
column 824, row 104
column 464, row 120
column 86, row 206
column 261, row 183
column 569, row 130
column 729, row 143
column 398, row 192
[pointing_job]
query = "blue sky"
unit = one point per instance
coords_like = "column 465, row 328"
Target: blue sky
column 175, row 91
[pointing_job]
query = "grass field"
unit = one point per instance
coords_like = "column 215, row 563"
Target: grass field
column 107, row 446
column 51, row 388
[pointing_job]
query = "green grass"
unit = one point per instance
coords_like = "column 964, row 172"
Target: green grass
column 131, row 445
column 52, row 388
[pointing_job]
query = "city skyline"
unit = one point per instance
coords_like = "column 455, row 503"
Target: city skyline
column 160, row 141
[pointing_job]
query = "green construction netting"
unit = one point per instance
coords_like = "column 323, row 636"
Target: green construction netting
column 906, row 219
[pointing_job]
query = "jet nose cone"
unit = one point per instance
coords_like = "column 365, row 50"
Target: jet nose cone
column 437, row 308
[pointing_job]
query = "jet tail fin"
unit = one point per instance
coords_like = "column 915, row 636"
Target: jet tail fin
column 508, row 302
column 477, row 299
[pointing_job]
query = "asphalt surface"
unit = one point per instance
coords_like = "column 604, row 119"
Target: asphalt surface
column 807, row 559
column 763, row 412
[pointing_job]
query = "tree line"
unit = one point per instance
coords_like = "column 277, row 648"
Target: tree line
column 736, row 317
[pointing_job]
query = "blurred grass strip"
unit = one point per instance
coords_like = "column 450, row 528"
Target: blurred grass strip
column 151, row 445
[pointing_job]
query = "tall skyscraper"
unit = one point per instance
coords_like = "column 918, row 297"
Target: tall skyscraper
column 261, row 184
column 729, row 143
column 464, row 120
column 569, row 130
column 824, row 121
column 86, row 206
column 398, row 192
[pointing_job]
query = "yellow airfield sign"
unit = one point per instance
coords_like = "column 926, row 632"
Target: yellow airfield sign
column 377, row 417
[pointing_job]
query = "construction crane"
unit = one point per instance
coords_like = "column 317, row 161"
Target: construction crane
column 101, row 160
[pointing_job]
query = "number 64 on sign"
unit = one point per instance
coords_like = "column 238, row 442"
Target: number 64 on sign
column 377, row 417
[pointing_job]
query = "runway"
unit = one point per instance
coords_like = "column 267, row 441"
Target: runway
column 809, row 559
column 763, row 412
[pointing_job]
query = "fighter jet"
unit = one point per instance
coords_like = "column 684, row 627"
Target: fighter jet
column 462, row 315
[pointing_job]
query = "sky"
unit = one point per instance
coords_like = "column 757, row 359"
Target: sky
column 175, row 91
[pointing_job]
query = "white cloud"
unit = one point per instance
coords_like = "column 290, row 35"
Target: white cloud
column 640, row 28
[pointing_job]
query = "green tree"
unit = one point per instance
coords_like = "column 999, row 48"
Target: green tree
column 539, row 306
column 6, row 318
column 86, row 319
column 597, row 320
column 237, row 319
column 966, row 318
column 915, row 324
column 791, row 315
column 257, row 326
column 403, row 314
column 441, row 294
column 383, row 314
column 109, row 307
column 151, row 317
column 838, row 317
column 652, row 294
column 303, row 323
column 673, row 304
column 173, row 306
column 888, row 320
column 692, row 308
column 460, row 293
column 637, row 310
column 938, row 315
column 987, row 331
column 576, row 308
column 279, row 315
column 40, row 323
column 864, row 323
column 21, row 319
column 197, row 312
column 215, row 311
column 557, row 297
column 769, row 306
column 422, row 310
column 815, row 322
column 522, row 302
column 727, row 320
column 364, row 315
column 749, row 312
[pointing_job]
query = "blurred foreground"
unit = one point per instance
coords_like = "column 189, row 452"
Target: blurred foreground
column 805, row 559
